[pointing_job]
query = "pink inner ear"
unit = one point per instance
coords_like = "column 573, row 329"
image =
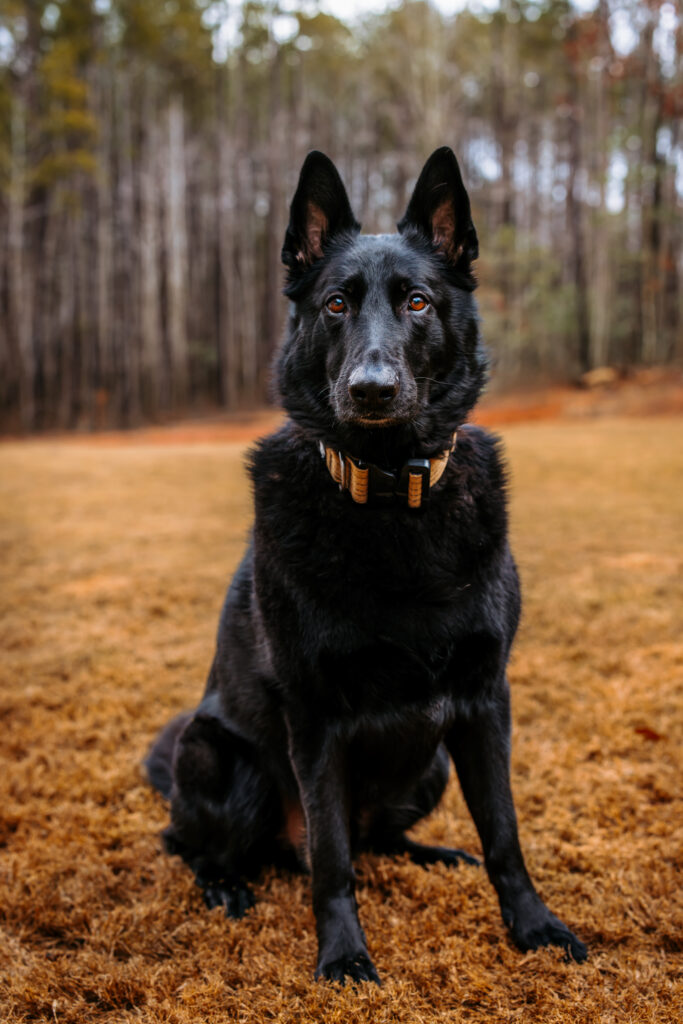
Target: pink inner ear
column 443, row 227
column 316, row 228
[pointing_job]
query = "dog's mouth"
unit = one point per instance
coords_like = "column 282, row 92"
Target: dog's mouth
column 376, row 420
column 374, row 411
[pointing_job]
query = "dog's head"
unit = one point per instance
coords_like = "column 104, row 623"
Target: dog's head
column 383, row 336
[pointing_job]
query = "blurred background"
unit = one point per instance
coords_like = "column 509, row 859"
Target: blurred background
column 149, row 150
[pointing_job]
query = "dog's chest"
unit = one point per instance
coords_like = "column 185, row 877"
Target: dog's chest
column 371, row 603
column 389, row 750
column 368, row 560
column 382, row 620
column 400, row 583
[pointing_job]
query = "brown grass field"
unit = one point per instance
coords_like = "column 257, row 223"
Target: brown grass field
column 114, row 557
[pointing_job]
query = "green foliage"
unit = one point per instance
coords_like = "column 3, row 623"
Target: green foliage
column 62, row 167
column 67, row 130
column 529, row 316
column 171, row 37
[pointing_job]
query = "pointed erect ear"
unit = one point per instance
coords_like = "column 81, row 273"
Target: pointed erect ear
column 440, row 209
column 320, row 210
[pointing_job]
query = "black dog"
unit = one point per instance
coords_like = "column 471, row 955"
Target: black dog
column 365, row 635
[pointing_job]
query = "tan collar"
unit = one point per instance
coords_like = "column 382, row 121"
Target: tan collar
column 369, row 484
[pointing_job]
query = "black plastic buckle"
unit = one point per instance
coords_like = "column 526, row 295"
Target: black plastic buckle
column 382, row 483
column 415, row 467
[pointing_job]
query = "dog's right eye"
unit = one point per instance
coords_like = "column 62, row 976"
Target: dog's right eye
column 336, row 304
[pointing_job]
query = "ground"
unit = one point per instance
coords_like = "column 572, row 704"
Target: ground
column 114, row 556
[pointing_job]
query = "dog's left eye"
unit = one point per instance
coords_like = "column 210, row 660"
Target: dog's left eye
column 336, row 304
column 417, row 302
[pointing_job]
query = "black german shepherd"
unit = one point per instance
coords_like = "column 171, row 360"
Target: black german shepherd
column 364, row 639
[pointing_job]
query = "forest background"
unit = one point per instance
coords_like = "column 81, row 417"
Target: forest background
column 149, row 148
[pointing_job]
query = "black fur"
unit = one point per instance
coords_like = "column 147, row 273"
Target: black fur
column 361, row 648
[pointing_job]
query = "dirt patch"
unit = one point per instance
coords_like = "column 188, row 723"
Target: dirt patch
column 113, row 564
column 644, row 392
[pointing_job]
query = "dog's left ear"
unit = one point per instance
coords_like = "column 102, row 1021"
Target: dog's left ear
column 320, row 209
column 440, row 208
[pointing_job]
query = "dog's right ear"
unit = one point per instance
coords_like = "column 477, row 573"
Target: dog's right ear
column 320, row 210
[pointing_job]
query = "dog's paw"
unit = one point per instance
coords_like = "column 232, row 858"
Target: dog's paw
column 357, row 968
column 235, row 897
column 544, row 929
column 454, row 857
column 421, row 854
column 173, row 846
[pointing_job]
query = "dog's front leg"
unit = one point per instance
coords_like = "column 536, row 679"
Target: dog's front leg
column 319, row 763
column 479, row 744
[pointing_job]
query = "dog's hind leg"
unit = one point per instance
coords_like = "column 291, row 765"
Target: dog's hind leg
column 159, row 761
column 225, row 812
column 387, row 832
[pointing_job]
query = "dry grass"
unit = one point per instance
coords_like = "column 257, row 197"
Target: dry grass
column 114, row 561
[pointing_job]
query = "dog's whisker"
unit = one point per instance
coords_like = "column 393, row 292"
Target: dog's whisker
column 441, row 383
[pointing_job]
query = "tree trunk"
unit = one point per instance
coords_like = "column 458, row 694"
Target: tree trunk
column 228, row 337
column 176, row 252
column 575, row 227
column 274, row 223
column 19, row 290
column 153, row 376
column 651, row 202
column 105, row 260
column 601, row 300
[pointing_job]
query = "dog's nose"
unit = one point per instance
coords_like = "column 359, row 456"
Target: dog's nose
column 373, row 387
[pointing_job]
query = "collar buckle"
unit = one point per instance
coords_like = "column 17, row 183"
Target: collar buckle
column 370, row 484
column 382, row 483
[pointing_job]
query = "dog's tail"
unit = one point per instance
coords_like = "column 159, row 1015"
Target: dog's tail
column 158, row 764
